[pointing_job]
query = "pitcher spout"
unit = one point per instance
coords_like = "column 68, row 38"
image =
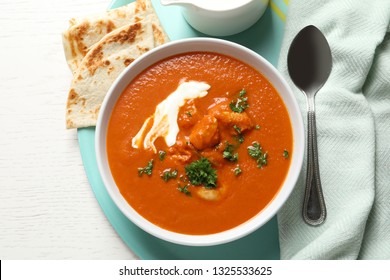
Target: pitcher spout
column 182, row 3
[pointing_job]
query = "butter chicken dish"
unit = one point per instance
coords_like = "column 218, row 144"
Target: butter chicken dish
column 199, row 142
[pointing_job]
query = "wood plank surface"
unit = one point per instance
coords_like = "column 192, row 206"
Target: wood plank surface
column 47, row 207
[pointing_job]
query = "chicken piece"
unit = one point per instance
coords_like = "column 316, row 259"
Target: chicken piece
column 180, row 153
column 188, row 115
column 205, row 133
column 211, row 194
column 215, row 156
column 227, row 117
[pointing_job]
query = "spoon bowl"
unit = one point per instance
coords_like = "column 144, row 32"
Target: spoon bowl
column 309, row 64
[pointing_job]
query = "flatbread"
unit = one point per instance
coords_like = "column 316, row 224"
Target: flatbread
column 83, row 33
column 100, row 67
column 99, row 48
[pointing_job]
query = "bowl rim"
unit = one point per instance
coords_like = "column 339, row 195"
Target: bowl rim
column 184, row 46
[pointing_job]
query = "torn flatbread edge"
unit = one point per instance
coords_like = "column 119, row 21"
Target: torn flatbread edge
column 99, row 69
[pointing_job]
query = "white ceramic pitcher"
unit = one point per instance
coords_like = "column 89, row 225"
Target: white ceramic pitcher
column 220, row 17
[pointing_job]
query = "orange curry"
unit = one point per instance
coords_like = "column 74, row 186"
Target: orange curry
column 231, row 155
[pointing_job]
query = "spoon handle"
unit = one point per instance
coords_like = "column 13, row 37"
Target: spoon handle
column 314, row 210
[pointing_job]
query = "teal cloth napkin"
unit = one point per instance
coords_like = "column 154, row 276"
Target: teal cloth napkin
column 353, row 131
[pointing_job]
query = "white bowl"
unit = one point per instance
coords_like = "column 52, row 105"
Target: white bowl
column 191, row 45
column 220, row 17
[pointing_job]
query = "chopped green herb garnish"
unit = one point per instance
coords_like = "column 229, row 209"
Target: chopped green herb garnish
column 242, row 93
column 168, row 174
column 285, row 154
column 200, row 172
column 146, row 170
column 240, row 104
column 228, row 153
column 161, row 155
column 240, row 137
column 237, row 129
column 237, row 170
column 257, row 127
column 184, row 189
column 188, row 113
column 256, row 152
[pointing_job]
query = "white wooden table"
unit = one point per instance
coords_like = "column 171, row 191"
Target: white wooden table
column 47, row 207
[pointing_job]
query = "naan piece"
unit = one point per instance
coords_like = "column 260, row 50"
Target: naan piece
column 83, row 33
column 100, row 67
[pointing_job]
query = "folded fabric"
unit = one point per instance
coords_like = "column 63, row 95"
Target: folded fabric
column 353, row 133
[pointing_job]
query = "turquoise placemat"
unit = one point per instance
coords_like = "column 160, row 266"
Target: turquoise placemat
column 265, row 37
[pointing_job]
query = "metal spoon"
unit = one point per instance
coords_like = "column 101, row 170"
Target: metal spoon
column 309, row 64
